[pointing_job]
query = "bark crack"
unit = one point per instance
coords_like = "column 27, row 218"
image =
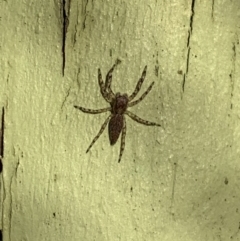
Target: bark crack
column 2, row 138
column 232, row 74
column 173, row 187
column 85, row 15
column 188, row 44
column 65, row 99
column 212, row 14
column 14, row 175
column 65, row 16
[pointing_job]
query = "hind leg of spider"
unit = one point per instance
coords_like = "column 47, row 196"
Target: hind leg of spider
column 139, row 84
column 90, row 111
column 122, row 140
column 99, row 133
column 140, row 120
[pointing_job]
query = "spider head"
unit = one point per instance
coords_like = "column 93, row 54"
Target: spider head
column 119, row 103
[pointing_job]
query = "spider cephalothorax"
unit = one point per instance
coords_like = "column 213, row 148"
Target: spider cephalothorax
column 118, row 107
column 119, row 104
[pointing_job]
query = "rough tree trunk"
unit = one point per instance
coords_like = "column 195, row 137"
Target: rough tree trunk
column 179, row 182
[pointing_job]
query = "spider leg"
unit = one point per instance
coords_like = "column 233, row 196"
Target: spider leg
column 103, row 90
column 90, row 111
column 139, row 84
column 141, row 121
column 122, row 140
column 108, row 80
column 99, row 133
column 142, row 97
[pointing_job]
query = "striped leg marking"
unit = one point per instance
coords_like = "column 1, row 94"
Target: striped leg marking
column 139, row 84
column 108, row 80
column 142, row 97
column 141, row 121
column 99, row 133
column 90, row 111
column 104, row 93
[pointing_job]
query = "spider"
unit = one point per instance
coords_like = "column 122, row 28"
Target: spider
column 118, row 108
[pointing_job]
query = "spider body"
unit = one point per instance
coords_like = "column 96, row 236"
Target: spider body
column 118, row 108
column 115, row 127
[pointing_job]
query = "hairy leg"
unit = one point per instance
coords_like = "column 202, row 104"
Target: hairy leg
column 108, row 80
column 141, row 121
column 139, row 84
column 90, row 111
column 142, row 97
column 102, row 87
column 122, row 139
column 99, row 133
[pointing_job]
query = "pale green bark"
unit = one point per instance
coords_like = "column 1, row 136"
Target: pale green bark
column 177, row 183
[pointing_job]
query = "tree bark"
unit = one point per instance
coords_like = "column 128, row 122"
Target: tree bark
column 178, row 182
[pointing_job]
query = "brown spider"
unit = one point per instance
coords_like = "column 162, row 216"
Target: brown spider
column 118, row 107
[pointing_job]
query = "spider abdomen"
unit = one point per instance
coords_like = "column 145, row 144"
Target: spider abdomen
column 115, row 126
